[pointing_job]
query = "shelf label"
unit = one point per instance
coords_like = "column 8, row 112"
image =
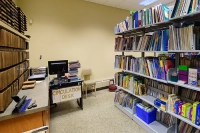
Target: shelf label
column 65, row 94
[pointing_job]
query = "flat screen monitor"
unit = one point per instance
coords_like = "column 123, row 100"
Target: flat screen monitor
column 59, row 67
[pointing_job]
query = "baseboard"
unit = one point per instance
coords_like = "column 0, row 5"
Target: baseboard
column 102, row 88
column 98, row 89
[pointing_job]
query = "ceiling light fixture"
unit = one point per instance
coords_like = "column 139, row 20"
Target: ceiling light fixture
column 147, row 2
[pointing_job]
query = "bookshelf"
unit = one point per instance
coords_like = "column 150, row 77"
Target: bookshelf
column 5, row 26
column 14, row 55
column 157, row 127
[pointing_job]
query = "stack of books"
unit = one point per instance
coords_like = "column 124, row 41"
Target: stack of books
column 190, row 94
column 185, row 37
column 158, row 90
column 155, row 67
column 151, row 15
column 22, row 21
column 159, row 13
column 126, row 43
column 186, row 128
column 189, row 110
column 165, row 118
column 183, row 7
column 125, row 99
column 154, row 41
column 73, row 70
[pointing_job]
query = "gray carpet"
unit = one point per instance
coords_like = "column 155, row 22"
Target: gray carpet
column 99, row 115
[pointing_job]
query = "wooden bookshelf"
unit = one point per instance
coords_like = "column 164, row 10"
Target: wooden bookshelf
column 5, row 26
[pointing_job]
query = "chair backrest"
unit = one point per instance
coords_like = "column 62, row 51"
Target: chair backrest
column 86, row 73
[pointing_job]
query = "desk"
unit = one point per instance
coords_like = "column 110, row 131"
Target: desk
column 31, row 118
column 65, row 92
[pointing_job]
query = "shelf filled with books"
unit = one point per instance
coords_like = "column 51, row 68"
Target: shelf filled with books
column 185, row 85
column 156, row 41
column 185, row 120
column 169, row 81
column 125, row 102
column 184, row 127
column 156, row 17
column 149, row 67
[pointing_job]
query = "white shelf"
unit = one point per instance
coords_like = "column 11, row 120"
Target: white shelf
column 185, row 86
column 144, row 27
column 127, row 111
column 185, row 16
column 160, row 80
column 183, row 51
column 125, row 89
column 5, row 26
column 164, row 81
column 184, row 119
column 154, row 127
column 150, row 51
column 140, row 51
column 124, row 50
column 148, row 99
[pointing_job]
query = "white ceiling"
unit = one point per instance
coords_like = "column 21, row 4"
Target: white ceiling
column 127, row 4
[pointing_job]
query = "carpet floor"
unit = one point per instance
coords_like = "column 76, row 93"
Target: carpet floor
column 99, row 115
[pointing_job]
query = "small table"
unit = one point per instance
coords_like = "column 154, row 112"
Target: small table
column 66, row 91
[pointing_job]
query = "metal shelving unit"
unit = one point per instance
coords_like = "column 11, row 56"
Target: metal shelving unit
column 156, row 127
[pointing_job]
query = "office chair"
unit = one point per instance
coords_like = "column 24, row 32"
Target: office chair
column 88, row 84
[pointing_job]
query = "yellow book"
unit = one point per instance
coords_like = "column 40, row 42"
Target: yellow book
column 193, row 6
column 173, row 102
column 124, row 82
column 127, row 81
column 136, row 88
column 163, row 106
column 184, row 106
column 194, row 111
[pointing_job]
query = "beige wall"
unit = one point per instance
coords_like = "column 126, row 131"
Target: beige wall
column 73, row 29
column 16, row 2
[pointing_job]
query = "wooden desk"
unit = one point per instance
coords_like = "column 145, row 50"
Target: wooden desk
column 31, row 118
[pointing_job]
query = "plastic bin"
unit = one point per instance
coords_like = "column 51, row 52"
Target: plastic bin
column 147, row 117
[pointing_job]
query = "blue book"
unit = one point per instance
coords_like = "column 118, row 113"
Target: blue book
column 175, row 8
column 166, row 12
column 164, row 40
column 136, row 19
column 133, row 19
column 197, row 120
column 176, row 109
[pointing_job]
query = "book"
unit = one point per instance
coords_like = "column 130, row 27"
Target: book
column 192, row 76
column 194, row 111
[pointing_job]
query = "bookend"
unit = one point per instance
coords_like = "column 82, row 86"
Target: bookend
column 21, row 105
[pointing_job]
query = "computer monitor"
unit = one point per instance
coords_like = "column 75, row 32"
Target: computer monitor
column 59, row 67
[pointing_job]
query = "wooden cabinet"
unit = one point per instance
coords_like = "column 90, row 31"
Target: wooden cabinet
column 26, row 122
